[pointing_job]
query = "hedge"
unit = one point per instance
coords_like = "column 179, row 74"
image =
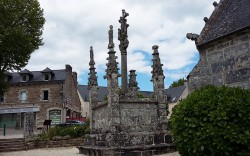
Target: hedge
column 212, row 121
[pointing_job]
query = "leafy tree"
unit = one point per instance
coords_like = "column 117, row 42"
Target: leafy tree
column 21, row 25
column 3, row 85
column 177, row 83
column 213, row 121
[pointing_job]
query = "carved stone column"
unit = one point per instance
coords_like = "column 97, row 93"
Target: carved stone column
column 92, row 87
column 29, row 124
column 123, row 38
column 133, row 85
column 113, row 89
column 157, row 74
column 158, row 82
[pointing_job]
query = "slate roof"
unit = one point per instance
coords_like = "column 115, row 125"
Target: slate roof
column 228, row 17
column 47, row 70
column 146, row 93
column 25, row 71
column 84, row 92
column 173, row 94
column 102, row 91
column 37, row 76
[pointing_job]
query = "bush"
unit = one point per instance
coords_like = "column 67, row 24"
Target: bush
column 213, row 121
column 54, row 132
column 72, row 131
column 38, row 139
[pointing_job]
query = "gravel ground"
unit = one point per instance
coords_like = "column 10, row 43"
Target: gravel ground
column 63, row 151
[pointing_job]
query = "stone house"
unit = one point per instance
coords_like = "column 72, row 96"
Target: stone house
column 84, row 96
column 224, row 47
column 50, row 94
column 174, row 95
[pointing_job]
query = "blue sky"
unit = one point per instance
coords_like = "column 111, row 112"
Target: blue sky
column 73, row 26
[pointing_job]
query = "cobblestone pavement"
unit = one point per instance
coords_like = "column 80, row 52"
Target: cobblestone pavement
column 62, row 151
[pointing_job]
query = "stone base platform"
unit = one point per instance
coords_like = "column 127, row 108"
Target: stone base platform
column 147, row 150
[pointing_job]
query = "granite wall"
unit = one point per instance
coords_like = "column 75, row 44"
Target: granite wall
column 138, row 124
column 224, row 62
column 100, row 118
column 138, row 117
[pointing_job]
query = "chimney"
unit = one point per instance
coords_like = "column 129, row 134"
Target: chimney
column 68, row 68
column 74, row 75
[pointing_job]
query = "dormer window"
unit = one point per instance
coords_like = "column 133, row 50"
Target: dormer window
column 47, row 77
column 25, row 78
column 8, row 76
column 47, row 74
column 25, row 75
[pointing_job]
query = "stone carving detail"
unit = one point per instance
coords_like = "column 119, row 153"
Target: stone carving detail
column 122, row 33
column 92, row 74
column 123, row 38
column 29, row 124
column 157, row 76
column 205, row 19
column 157, row 66
column 192, row 36
column 92, row 86
column 112, row 64
column 133, row 85
column 215, row 4
column 111, row 44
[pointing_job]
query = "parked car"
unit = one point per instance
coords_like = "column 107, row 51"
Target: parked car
column 71, row 123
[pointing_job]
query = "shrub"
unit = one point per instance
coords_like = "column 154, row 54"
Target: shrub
column 54, row 131
column 213, row 121
column 140, row 95
column 72, row 131
column 40, row 138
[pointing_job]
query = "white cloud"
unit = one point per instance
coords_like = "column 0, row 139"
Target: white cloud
column 73, row 26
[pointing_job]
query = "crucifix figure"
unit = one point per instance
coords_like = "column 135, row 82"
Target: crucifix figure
column 123, row 38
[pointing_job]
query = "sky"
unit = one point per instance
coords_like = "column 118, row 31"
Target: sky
column 72, row 26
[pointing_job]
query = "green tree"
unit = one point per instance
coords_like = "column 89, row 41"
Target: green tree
column 213, row 121
column 177, row 83
column 21, row 26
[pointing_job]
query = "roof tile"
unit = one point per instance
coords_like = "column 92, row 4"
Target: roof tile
column 228, row 17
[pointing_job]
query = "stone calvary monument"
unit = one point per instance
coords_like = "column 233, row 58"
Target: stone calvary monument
column 125, row 124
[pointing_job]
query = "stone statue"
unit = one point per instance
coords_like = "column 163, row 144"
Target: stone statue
column 122, row 33
column 111, row 43
column 123, row 38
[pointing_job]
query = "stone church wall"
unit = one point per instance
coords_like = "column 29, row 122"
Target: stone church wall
column 224, row 62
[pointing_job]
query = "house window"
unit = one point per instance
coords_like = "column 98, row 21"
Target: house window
column 25, row 78
column 46, row 77
column 22, row 96
column 45, row 96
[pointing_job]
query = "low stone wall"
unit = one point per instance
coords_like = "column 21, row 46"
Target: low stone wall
column 53, row 144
